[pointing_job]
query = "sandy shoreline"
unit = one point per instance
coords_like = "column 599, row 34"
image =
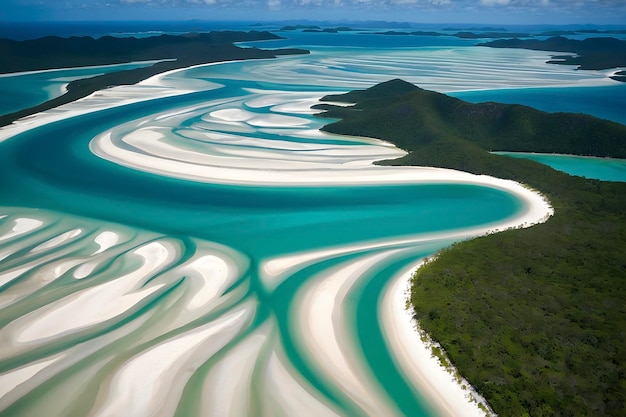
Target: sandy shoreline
column 447, row 395
column 16, row 74
column 442, row 391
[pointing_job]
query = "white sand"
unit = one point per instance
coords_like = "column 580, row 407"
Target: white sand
column 277, row 120
column 226, row 389
column 275, row 270
column 152, row 382
column 213, row 276
column 155, row 87
column 412, row 354
column 21, row 226
column 325, row 331
column 106, row 240
column 290, row 395
column 85, row 269
column 97, row 304
column 232, row 115
column 415, row 358
column 8, row 276
column 322, row 302
column 57, row 240
column 17, row 74
column 11, row 380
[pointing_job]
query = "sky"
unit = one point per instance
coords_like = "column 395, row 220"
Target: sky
column 424, row 11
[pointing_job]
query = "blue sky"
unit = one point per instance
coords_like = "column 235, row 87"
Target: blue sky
column 426, row 11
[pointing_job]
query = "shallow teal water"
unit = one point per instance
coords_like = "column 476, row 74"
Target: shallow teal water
column 605, row 169
column 24, row 90
column 251, row 260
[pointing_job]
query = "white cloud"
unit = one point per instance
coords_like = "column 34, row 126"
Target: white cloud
column 495, row 2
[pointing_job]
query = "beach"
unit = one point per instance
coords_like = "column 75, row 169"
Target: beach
column 205, row 286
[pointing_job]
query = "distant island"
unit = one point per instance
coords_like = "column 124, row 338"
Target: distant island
column 591, row 53
column 315, row 29
column 533, row 318
column 176, row 52
column 482, row 35
column 597, row 53
column 481, row 29
column 597, row 31
column 329, row 30
column 300, row 27
column 399, row 33
column 461, row 35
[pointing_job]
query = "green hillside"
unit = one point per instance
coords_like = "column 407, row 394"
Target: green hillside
column 534, row 318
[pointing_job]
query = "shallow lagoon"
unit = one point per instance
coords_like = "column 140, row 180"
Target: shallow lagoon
column 26, row 89
column 119, row 275
column 605, row 169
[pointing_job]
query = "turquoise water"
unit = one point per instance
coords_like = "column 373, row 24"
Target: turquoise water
column 23, row 90
column 605, row 102
column 212, row 253
column 605, row 169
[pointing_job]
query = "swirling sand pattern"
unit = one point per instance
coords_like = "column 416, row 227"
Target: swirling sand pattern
column 104, row 319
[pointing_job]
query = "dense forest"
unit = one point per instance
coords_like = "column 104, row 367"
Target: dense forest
column 534, row 318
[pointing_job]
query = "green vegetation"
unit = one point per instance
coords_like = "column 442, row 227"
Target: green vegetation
column 591, row 53
column 56, row 52
column 534, row 318
column 181, row 51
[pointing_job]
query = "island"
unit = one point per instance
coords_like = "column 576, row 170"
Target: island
column 460, row 35
column 329, row 30
column 482, row 29
column 173, row 52
column 534, row 317
column 417, row 33
column 299, row 27
column 589, row 54
column 481, row 35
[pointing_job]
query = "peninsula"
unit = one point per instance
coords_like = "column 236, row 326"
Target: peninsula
column 173, row 51
column 590, row 54
column 534, row 317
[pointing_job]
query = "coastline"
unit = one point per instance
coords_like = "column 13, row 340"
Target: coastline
column 103, row 99
column 447, row 391
column 43, row 71
column 477, row 306
column 179, row 57
column 394, row 313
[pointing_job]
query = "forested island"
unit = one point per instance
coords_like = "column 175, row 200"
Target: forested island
column 591, row 53
column 534, row 318
column 174, row 51
column 461, row 35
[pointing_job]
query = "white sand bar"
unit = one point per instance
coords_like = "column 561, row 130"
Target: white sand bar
column 246, row 141
column 323, row 327
column 152, row 382
column 415, row 359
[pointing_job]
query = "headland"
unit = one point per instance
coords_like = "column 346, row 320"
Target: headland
column 529, row 316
